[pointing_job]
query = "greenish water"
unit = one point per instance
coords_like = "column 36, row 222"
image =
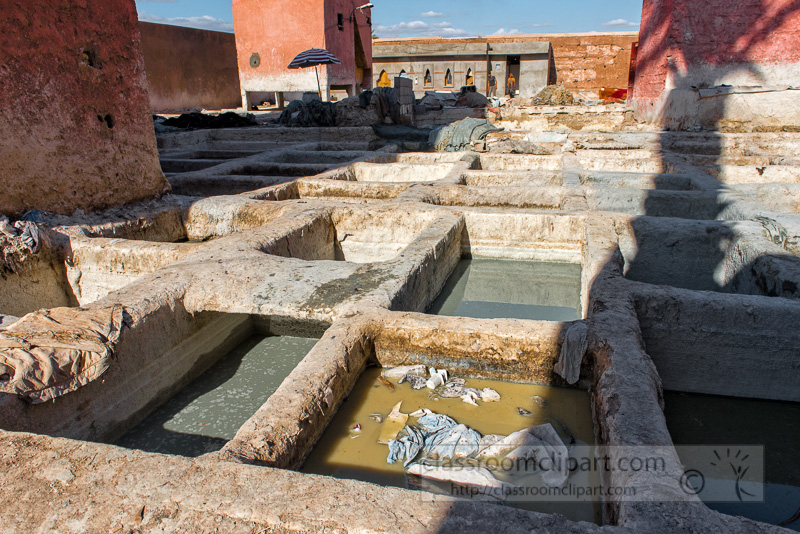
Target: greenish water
column 207, row 413
column 695, row 419
column 495, row 289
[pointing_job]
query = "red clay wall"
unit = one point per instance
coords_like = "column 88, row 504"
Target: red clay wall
column 684, row 44
column 74, row 113
column 586, row 63
column 342, row 42
column 190, row 68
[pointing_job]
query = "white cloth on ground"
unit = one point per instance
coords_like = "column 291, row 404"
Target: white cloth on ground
column 536, row 442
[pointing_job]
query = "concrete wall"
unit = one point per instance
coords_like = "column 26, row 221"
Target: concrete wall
column 688, row 47
column 190, row 68
column 746, row 346
column 303, row 24
column 583, row 63
column 74, row 111
column 462, row 57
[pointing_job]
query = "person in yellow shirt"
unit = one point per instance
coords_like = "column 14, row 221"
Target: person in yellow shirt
column 511, row 85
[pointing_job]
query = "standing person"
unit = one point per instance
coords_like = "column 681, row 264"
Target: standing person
column 511, row 85
column 492, row 86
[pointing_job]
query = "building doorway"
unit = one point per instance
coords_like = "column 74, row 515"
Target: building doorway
column 363, row 69
column 512, row 69
column 383, row 80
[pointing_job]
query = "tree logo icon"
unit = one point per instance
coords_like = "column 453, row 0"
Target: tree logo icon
column 723, row 473
column 739, row 468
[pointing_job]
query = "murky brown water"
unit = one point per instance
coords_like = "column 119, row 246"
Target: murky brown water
column 345, row 453
column 496, row 289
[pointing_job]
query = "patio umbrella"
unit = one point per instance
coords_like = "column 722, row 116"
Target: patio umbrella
column 312, row 58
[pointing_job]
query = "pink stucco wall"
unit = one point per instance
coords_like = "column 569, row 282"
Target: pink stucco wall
column 277, row 31
column 685, row 43
column 342, row 42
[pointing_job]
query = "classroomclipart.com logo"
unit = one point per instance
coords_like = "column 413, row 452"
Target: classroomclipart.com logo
column 724, row 473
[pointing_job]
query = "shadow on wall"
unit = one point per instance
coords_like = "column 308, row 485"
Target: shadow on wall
column 702, row 51
column 189, row 68
column 153, row 434
column 699, row 48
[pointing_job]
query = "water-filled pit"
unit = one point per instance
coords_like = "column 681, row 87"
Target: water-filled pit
column 349, row 447
column 494, row 289
column 207, row 413
column 695, row 419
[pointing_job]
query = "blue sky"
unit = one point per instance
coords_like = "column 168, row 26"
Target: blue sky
column 447, row 18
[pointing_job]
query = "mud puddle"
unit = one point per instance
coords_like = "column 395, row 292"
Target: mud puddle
column 350, row 449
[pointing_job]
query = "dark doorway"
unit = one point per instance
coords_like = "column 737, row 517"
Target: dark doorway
column 512, row 69
column 363, row 70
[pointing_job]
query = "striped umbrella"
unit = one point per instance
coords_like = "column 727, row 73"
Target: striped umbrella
column 312, row 58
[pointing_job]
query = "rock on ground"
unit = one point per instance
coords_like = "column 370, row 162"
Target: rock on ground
column 554, row 95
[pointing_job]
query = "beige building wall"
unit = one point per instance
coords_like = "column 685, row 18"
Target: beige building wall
column 582, row 62
column 463, row 57
column 438, row 68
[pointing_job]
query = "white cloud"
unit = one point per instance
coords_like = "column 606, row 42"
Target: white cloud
column 544, row 25
column 502, row 31
column 418, row 28
column 205, row 22
column 432, row 15
column 620, row 23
